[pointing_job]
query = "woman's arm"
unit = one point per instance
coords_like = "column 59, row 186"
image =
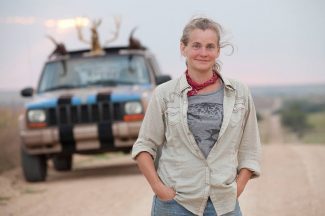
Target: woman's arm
column 152, row 131
column 249, row 151
column 146, row 166
column 145, row 149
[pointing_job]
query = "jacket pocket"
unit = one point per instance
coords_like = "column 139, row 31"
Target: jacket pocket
column 238, row 112
column 171, row 201
column 165, row 176
column 172, row 115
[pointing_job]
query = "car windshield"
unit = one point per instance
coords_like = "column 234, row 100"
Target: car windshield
column 110, row 70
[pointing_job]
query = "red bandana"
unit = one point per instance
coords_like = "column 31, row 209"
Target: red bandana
column 197, row 86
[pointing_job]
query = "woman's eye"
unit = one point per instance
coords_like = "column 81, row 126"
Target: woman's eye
column 196, row 46
column 210, row 47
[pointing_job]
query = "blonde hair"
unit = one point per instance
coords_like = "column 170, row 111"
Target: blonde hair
column 203, row 23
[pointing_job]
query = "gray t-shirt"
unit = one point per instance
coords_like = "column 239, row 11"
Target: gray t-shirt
column 204, row 117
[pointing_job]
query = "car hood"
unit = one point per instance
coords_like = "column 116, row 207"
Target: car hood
column 90, row 95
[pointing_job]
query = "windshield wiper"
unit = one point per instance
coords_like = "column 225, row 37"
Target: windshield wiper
column 110, row 83
column 102, row 83
column 60, row 87
column 124, row 82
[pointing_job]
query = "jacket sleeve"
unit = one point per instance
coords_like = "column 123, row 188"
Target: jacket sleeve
column 152, row 131
column 249, row 152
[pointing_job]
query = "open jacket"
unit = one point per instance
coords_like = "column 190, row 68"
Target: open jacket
column 182, row 166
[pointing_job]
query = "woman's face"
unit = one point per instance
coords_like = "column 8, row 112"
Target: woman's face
column 201, row 51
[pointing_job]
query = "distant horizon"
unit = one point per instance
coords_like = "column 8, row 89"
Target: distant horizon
column 250, row 86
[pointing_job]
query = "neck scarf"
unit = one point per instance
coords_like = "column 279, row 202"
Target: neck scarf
column 197, row 86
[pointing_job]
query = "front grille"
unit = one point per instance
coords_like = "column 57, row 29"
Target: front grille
column 67, row 114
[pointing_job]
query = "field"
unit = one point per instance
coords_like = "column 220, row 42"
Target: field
column 9, row 137
column 316, row 133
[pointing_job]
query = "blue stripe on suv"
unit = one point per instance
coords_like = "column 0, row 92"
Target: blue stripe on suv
column 118, row 97
column 43, row 104
column 91, row 99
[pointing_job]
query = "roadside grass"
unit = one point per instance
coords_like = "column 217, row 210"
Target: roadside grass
column 33, row 191
column 9, row 137
column 4, row 200
column 263, row 130
column 316, row 134
column 6, row 118
column 290, row 136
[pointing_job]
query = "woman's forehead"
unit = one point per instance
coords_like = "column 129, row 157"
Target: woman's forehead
column 199, row 35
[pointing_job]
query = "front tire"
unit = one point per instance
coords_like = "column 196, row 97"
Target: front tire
column 62, row 162
column 34, row 166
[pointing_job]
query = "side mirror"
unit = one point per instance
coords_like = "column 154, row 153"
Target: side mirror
column 27, row 92
column 162, row 78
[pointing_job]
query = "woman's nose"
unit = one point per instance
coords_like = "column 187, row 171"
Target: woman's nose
column 203, row 51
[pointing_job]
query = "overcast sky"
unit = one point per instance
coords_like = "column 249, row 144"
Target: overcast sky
column 277, row 42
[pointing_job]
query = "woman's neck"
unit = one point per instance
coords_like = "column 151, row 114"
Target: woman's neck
column 200, row 77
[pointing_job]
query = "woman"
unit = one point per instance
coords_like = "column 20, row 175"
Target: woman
column 201, row 131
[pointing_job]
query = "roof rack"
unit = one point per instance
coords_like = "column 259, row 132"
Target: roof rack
column 109, row 50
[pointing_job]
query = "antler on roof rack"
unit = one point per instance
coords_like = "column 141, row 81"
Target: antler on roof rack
column 59, row 50
column 96, row 48
column 117, row 21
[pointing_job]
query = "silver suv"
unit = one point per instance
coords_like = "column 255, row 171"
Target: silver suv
column 85, row 104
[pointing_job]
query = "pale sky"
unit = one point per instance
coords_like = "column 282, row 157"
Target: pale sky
column 277, row 42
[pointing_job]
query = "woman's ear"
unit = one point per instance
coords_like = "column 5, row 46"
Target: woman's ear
column 182, row 49
column 218, row 54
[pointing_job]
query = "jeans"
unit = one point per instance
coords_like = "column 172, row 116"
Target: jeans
column 172, row 208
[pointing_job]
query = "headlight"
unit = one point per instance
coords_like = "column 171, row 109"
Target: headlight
column 133, row 108
column 35, row 116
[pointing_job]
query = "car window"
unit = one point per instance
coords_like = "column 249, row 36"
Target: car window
column 102, row 71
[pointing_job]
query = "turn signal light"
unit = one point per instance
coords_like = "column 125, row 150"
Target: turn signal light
column 37, row 125
column 133, row 117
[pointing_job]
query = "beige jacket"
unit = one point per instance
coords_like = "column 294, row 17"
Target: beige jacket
column 182, row 165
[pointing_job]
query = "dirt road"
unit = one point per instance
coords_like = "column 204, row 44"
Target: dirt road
column 292, row 184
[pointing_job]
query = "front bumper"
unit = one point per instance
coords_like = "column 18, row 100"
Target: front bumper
column 86, row 138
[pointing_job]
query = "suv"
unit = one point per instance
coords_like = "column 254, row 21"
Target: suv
column 85, row 104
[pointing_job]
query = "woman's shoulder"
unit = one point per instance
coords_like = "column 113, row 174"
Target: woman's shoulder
column 168, row 87
column 240, row 87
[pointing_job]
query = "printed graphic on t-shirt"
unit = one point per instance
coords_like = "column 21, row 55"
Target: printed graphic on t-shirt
column 204, row 120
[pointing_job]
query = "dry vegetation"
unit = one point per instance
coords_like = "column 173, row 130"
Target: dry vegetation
column 271, row 125
column 9, row 137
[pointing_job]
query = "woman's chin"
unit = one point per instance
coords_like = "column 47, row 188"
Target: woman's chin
column 203, row 68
